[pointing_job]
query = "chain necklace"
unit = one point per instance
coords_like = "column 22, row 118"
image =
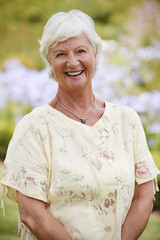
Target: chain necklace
column 83, row 120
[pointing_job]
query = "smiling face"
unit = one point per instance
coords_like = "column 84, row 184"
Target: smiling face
column 73, row 62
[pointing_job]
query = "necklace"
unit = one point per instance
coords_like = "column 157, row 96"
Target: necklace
column 83, row 120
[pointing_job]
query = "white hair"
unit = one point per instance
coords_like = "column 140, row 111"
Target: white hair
column 62, row 26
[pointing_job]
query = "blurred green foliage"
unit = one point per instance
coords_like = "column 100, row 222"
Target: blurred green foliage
column 152, row 230
column 8, row 116
column 156, row 157
column 22, row 21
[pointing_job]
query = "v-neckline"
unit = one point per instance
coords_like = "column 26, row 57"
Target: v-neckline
column 62, row 115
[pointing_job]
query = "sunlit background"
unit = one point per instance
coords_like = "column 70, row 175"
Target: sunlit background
column 129, row 73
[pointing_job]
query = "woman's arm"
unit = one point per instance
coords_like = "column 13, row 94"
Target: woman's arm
column 139, row 212
column 43, row 225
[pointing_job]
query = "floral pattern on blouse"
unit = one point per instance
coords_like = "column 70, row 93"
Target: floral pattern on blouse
column 142, row 169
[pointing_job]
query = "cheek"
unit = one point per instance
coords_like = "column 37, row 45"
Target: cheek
column 90, row 61
column 92, row 64
column 56, row 67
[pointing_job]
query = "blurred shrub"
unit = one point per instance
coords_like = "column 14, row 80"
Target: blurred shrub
column 156, row 157
column 9, row 116
column 6, row 131
column 22, row 21
column 156, row 204
column 143, row 25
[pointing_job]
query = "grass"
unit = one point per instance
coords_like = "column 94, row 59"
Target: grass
column 9, row 223
column 152, row 231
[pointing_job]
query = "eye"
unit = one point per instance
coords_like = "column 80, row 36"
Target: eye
column 59, row 55
column 81, row 51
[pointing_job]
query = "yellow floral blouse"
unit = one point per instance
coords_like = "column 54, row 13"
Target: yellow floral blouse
column 86, row 174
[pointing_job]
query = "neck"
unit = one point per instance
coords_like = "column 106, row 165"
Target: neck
column 76, row 100
column 83, row 119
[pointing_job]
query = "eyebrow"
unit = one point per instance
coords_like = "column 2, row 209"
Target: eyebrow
column 82, row 46
column 58, row 51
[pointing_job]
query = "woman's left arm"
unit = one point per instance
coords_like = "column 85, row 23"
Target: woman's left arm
column 139, row 212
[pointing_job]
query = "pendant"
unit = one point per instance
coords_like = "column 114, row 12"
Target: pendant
column 83, row 120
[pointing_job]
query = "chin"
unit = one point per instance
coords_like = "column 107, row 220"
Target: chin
column 79, row 83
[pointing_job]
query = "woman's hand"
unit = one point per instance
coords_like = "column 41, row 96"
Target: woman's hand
column 43, row 225
column 139, row 212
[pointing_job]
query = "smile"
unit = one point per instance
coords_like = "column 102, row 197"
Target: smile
column 74, row 73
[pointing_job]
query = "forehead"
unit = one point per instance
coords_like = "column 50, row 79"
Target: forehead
column 74, row 42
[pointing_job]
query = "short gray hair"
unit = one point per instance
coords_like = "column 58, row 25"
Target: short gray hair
column 64, row 25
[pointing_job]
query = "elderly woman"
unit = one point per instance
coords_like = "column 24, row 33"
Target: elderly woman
column 79, row 167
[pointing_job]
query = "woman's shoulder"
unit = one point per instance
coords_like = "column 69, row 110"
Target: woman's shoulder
column 35, row 117
column 123, row 110
column 122, row 113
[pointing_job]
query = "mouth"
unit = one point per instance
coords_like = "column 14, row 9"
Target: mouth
column 74, row 74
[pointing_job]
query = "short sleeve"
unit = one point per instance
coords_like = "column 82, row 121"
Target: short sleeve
column 145, row 168
column 25, row 166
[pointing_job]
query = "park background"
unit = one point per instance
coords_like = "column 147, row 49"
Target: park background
column 129, row 73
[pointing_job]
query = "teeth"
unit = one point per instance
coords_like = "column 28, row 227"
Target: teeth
column 74, row 73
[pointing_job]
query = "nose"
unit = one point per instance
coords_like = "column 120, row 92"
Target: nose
column 72, row 61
